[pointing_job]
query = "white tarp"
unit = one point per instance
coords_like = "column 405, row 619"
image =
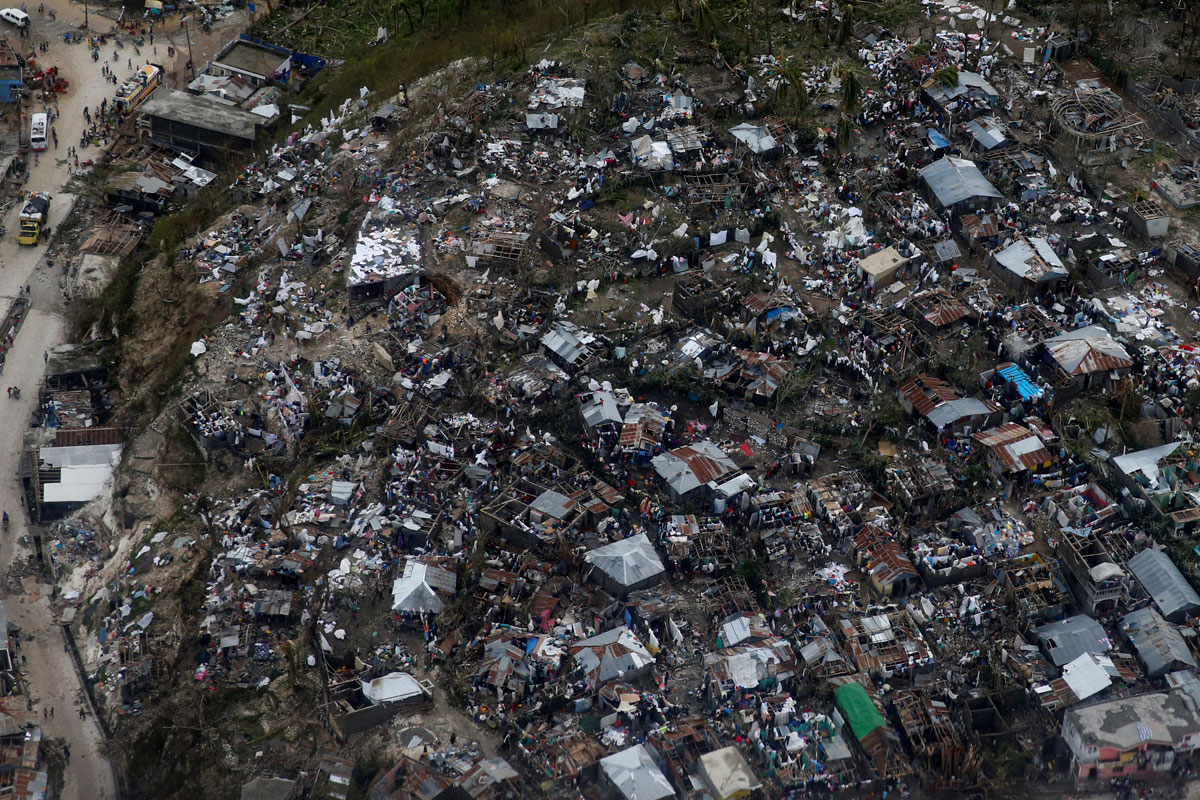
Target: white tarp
column 391, row 688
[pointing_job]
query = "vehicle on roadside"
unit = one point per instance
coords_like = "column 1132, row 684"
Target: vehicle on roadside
column 15, row 16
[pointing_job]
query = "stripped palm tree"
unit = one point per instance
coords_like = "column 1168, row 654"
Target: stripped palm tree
column 706, row 20
column 852, row 91
column 846, row 29
column 790, row 91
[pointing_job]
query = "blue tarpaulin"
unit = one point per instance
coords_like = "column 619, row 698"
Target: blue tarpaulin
column 937, row 140
column 1023, row 383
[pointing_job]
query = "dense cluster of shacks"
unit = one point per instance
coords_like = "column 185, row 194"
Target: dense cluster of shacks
column 592, row 411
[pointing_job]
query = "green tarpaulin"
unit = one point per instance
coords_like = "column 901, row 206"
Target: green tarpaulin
column 858, row 709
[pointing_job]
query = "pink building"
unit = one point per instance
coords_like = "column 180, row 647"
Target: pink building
column 1134, row 736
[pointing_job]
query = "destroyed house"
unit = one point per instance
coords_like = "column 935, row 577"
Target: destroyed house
column 698, row 466
column 1087, row 507
column 750, row 375
column 537, row 379
column 937, row 309
column 884, row 561
column 924, row 483
column 1016, row 383
column 943, row 561
column 531, row 515
column 879, row 744
column 980, row 230
column 386, row 261
column 697, row 298
column 489, row 247
column 1013, row 449
column 750, row 666
column 1148, row 219
column 783, row 520
column 923, row 393
column 1029, row 266
column 886, row 643
column 895, row 338
column 617, row 654
column 1099, row 583
column 970, row 97
column 1166, row 479
column 824, row 659
column 697, row 545
column 945, row 752
column 642, row 431
column 770, row 310
column 1087, row 358
column 140, row 192
column 845, row 500
column 1171, row 593
column 1035, row 587
column 1031, row 325
column 413, row 779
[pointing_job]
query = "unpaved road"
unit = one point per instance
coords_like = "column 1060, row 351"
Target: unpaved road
column 48, row 669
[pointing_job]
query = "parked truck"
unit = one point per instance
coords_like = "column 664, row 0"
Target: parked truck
column 34, row 216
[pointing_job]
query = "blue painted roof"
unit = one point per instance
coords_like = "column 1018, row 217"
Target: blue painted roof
column 1025, row 385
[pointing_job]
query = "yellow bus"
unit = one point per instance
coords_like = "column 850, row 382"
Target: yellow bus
column 141, row 85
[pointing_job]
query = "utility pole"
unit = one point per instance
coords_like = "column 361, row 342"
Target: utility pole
column 191, row 65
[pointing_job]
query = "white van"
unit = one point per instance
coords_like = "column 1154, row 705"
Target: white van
column 16, row 16
column 38, row 125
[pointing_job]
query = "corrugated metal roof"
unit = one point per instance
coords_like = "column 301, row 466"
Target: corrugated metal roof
column 553, row 503
column 926, row 393
column 1033, row 259
column 687, row 468
column 600, row 408
column 1163, row 581
column 953, row 180
column 953, row 410
column 1086, row 356
column 76, row 437
column 1158, row 642
column 635, row 774
column 1017, row 447
column 939, row 307
column 988, row 131
column 629, row 561
column 1067, row 639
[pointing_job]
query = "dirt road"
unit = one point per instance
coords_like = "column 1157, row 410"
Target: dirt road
column 48, row 669
column 49, row 673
